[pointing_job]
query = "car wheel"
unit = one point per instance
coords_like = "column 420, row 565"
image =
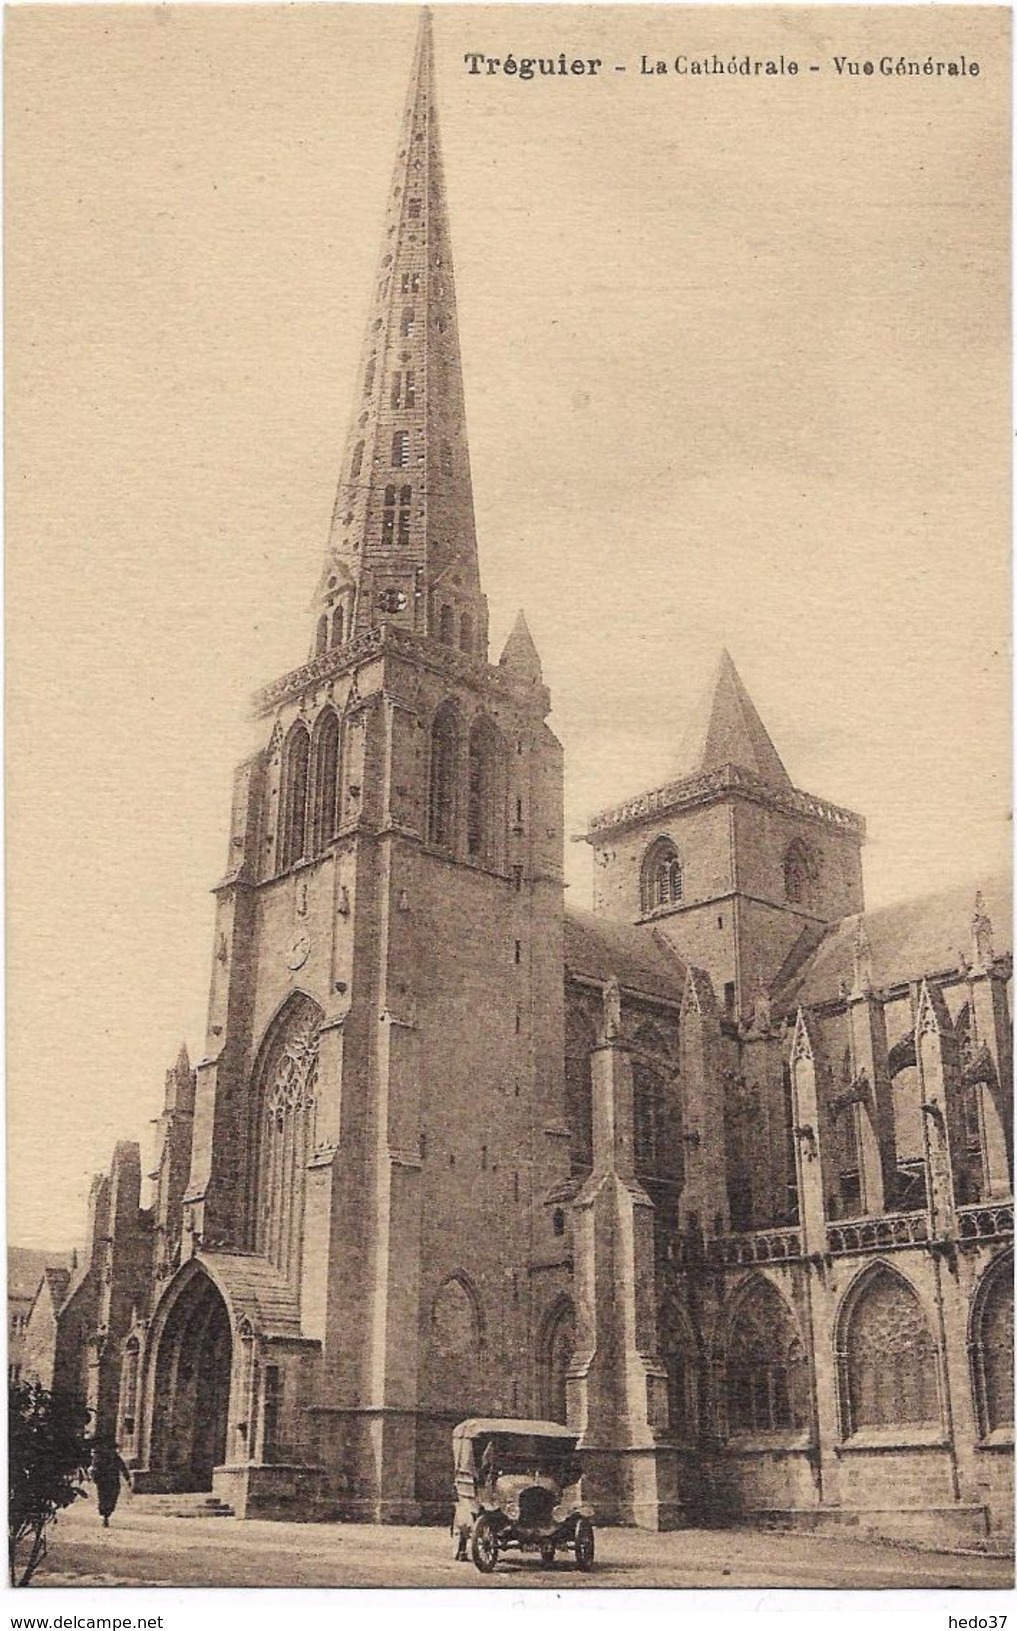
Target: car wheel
column 547, row 1553
column 484, row 1544
column 584, row 1545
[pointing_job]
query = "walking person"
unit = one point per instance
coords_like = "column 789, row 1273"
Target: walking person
column 107, row 1471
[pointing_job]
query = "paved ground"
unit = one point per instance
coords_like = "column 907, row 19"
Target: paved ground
column 144, row 1549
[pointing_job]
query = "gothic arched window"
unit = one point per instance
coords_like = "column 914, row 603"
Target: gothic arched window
column 800, row 874
column 446, row 626
column 324, row 814
column 337, row 626
column 654, row 1108
column 401, row 449
column 992, row 1347
column 887, row 1357
column 766, row 1383
column 441, row 808
column 358, row 460
column 293, row 797
column 466, row 632
column 662, row 882
column 482, row 792
column 284, row 1100
column 321, row 634
column 580, row 1041
column 556, row 1349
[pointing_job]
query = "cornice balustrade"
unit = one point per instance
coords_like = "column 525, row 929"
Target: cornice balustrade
column 985, row 1222
column 713, row 784
column 761, row 1246
column 876, row 1234
column 388, row 637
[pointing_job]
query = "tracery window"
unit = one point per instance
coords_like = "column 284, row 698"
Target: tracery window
column 887, row 1358
column 337, row 626
column 580, row 1040
column 992, row 1349
column 654, row 1108
column 442, row 785
column 321, row 634
column 293, row 798
column 324, row 816
column 288, row 1078
column 766, row 1383
column 662, row 882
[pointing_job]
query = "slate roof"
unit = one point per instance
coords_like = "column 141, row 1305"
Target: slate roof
column 927, row 935
column 600, row 948
column 26, row 1266
column 725, row 729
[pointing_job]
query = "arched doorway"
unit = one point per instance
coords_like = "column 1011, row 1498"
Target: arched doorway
column 192, row 1387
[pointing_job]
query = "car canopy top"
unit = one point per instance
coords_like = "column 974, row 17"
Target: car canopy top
column 481, row 1429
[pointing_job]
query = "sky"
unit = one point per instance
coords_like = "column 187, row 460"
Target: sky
column 736, row 365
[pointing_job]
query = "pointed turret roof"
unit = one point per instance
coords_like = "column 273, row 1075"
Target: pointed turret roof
column 402, row 546
column 727, row 730
column 520, row 655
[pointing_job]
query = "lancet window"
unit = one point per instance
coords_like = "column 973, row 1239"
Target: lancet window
column 482, row 792
column 293, row 797
column 442, row 781
column 324, row 814
column 662, row 882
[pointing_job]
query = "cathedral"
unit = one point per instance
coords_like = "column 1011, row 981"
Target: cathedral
column 719, row 1172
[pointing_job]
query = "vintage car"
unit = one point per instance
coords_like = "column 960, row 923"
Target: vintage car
column 518, row 1486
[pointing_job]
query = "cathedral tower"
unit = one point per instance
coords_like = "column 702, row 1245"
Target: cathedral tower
column 377, row 1117
column 730, row 861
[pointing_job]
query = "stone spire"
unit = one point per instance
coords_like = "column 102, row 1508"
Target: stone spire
column 402, row 547
column 727, row 730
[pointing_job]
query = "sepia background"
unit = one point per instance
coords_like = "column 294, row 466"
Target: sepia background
column 736, row 359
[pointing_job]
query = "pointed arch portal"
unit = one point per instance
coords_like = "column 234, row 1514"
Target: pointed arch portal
column 192, row 1387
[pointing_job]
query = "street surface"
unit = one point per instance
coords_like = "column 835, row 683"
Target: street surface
column 146, row 1549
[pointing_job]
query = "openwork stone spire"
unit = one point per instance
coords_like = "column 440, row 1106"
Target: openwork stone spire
column 403, row 547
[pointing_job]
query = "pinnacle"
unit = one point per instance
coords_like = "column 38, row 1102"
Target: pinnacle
column 520, row 655
column 727, row 730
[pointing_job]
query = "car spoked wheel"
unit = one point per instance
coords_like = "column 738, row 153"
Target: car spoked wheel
column 547, row 1553
column 484, row 1544
column 584, row 1545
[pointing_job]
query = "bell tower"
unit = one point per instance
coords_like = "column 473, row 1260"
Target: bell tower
column 730, row 861
column 377, row 1119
